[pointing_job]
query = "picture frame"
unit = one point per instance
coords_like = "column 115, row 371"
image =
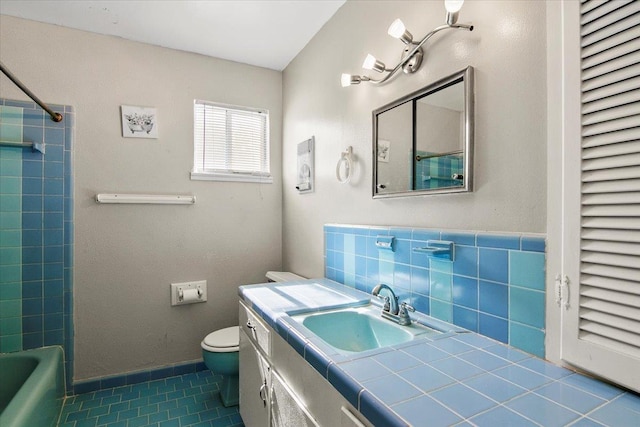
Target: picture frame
column 384, row 148
column 139, row 122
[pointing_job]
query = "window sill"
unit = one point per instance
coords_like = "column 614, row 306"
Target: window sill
column 231, row 177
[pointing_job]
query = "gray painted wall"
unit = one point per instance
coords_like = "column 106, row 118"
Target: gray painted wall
column 507, row 49
column 125, row 255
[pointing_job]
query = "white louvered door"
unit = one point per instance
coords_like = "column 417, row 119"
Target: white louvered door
column 601, row 322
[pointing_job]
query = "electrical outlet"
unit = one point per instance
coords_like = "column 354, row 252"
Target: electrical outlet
column 180, row 296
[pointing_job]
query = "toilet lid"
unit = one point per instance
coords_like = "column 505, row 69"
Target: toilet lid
column 223, row 338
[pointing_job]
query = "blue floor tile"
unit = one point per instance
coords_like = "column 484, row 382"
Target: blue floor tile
column 191, row 399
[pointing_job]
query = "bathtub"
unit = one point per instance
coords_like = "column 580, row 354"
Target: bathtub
column 32, row 387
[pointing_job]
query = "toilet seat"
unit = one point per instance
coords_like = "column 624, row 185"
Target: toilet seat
column 225, row 340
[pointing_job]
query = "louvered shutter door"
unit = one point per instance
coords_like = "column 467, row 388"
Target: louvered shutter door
column 606, row 310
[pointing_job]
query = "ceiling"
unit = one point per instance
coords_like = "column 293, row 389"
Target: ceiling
column 265, row 33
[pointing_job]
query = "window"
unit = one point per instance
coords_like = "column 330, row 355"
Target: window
column 230, row 143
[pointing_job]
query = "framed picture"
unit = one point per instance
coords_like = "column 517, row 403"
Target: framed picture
column 139, row 122
column 383, row 150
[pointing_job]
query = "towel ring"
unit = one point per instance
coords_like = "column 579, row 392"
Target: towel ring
column 345, row 158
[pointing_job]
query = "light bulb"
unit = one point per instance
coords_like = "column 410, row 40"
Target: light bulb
column 345, row 80
column 369, row 62
column 396, row 29
column 399, row 31
column 453, row 6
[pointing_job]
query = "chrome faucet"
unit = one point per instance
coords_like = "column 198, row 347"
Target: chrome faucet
column 391, row 310
column 390, row 304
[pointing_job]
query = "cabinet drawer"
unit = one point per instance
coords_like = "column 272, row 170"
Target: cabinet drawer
column 255, row 328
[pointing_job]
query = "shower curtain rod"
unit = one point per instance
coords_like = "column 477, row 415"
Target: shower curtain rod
column 56, row 117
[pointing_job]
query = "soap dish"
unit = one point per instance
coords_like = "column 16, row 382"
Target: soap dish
column 441, row 249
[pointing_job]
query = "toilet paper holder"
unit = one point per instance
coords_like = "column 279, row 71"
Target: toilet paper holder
column 182, row 291
column 188, row 292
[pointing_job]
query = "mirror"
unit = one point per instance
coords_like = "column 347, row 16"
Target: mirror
column 423, row 142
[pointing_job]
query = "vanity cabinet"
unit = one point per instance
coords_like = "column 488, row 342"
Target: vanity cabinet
column 254, row 384
column 294, row 393
column 286, row 409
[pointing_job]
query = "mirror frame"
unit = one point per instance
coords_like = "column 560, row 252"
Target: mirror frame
column 465, row 76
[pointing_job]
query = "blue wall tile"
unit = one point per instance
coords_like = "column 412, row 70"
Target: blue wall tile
column 420, row 281
column 441, row 286
column 526, row 307
column 338, row 242
column 535, row 244
column 360, row 265
column 420, row 303
column 527, row 269
column 328, row 240
column 425, row 235
column 493, row 327
column 494, row 265
column 349, row 243
column 385, row 271
column 465, row 291
column 468, row 239
column 442, row 310
column 494, row 298
column 497, row 241
column 402, row 276
column 466, row 261
column 32, row 186
column 32, row 203
column 46, row 237
column 403, row 251
column 32, row 169
column 465, row 318
column 472, row 292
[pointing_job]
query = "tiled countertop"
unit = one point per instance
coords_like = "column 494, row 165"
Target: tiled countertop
column 452, row 379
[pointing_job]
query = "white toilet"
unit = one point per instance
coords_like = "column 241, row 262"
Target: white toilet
column 220, row 349
column 220, row 354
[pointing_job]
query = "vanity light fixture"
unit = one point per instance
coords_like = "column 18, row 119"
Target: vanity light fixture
column 412, row 54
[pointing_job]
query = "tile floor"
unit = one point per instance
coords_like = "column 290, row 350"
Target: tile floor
column 185, row 400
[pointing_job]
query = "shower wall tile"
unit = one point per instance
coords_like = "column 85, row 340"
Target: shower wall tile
column 495, row 285
column 36, row 231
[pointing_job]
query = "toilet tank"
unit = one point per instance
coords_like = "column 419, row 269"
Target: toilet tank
column 282, row 276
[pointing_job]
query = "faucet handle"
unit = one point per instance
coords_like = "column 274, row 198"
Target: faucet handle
column 387, row 304
column 403, row 315
column 406, row 307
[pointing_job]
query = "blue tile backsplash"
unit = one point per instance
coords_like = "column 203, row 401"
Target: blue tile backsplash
column 494, row 286
column 36, row 230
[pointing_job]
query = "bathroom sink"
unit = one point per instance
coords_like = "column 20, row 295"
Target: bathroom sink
column 357, row 329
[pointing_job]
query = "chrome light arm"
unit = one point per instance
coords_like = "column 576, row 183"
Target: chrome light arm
column 417, row 48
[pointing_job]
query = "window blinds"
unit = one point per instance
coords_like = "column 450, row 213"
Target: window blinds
column 230, row 140
column 610, row 197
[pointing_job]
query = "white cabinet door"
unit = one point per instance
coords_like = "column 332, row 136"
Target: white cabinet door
column 286, row 408
column 254, row 384
column 600, row 296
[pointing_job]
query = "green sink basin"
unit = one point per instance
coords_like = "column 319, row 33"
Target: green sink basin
column 357, row 329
